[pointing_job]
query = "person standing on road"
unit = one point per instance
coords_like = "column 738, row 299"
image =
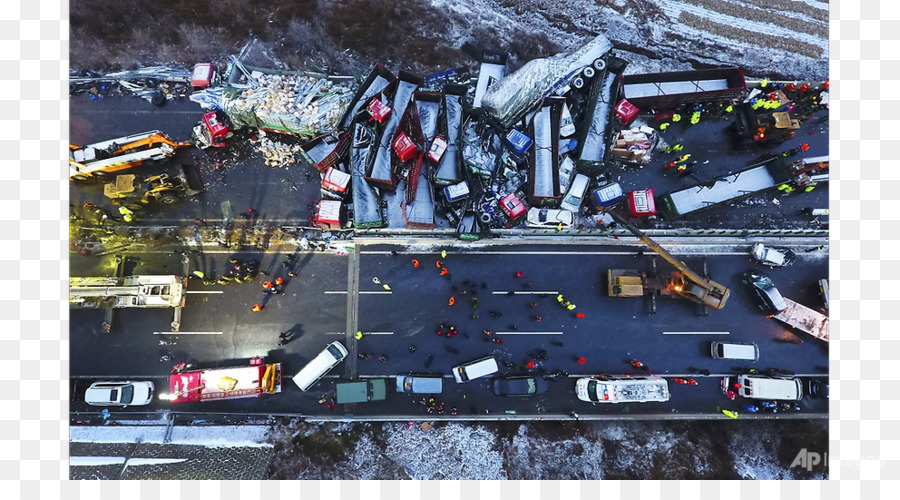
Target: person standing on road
column 256, row 308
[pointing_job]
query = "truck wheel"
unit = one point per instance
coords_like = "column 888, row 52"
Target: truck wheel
column 588, row 72
column 166, row 198
column 102, row 175
column 80, row 178
column 599, row 64
column 578, row 83
column 158, row 99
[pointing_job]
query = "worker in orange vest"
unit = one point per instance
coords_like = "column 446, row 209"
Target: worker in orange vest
column 267, row 284
column 415, row 263
column 257, row 308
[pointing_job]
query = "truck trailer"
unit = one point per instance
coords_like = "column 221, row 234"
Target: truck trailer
column 756, row 178
column 669, row 90
column 804, row 319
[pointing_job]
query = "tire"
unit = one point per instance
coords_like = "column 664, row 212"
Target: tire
column 166, row 198
column 588, row 72
column 80, row 178
column 599, row 64
column 103, row 175
column 158, row 99
column 578, row 83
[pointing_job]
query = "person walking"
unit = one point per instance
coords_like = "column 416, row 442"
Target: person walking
column 256, row 308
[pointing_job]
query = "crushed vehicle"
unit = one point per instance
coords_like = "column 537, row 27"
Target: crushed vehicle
column 771, row 256
column 770, row 299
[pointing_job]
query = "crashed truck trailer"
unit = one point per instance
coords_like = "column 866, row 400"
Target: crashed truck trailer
column 669, row 90
column 723, row 189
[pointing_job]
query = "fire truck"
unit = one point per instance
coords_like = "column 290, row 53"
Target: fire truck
column 188, row 385
column 102, row 158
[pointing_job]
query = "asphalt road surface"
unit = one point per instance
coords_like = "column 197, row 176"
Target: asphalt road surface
column 219, row 329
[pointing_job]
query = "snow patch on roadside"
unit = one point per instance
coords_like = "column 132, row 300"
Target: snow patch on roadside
column 451, row 451
column 229, row 436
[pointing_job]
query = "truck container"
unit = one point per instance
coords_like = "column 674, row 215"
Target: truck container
column 723, row 189
column 593, row 141
column 669, row 90
column 381, row 172
column 804, row 319
column 543, row 176
column 450, row 126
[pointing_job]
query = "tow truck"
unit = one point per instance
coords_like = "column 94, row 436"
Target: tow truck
column 684, row 282
column 102, row 158
column 188, row 385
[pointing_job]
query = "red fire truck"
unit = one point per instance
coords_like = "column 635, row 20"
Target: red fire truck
column 187, row 385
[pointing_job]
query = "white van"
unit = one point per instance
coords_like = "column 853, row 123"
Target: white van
column 320, row 365
column 575, row 194
column 756, row 387
column 622, row 390
column 475, row 369
column 734, row 350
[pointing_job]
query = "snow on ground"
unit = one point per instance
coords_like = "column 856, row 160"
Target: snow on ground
column 211, row 436
column 531, row 455
column 451, row 451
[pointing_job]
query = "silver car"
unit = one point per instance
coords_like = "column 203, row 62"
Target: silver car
column 119, row 394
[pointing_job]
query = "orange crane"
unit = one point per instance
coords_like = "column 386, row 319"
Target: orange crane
column 102, row 158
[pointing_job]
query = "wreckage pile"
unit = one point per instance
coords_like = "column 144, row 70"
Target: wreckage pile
column 538, row 147
column 277, row 154
column 296, row 104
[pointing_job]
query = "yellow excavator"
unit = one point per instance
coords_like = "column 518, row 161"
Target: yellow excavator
column 684, row 283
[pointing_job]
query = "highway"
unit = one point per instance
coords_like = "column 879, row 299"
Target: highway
column 219, row 329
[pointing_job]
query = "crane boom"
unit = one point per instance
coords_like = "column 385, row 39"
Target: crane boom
column 711, row 294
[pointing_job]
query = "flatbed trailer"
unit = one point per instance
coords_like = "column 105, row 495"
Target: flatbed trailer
column 235, row 382
column 804, row 319
column 726, row 188
column 669, row 90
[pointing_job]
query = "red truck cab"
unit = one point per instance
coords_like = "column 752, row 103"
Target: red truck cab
column 211, row 131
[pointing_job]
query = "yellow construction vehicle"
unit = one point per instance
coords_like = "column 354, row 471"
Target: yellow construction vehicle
column 162, row 188
column 102, row 158
column 683, row 283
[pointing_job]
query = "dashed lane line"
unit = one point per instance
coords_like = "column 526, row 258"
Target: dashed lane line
column 696, row 333
column 187, row 333
column 361, row 292
column 528, row 333
column 514, row 292
column 204, row 291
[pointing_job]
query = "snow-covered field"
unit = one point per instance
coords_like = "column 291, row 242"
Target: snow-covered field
column 778, row 38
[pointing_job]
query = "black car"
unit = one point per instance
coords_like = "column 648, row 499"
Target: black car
column 818, row 389
column 770, row 299
column 519, row 386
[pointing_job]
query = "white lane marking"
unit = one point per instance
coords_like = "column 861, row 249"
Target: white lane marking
column 364, row 333
column 380, row 252
column 198, row 291
column 361, row 292
column 695, row 333
column 528, row 333
column 502, row 292
column 187, row 333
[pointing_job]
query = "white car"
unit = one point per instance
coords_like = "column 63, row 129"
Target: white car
column 775, row 257
column 119, row 394
column 549, row 217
